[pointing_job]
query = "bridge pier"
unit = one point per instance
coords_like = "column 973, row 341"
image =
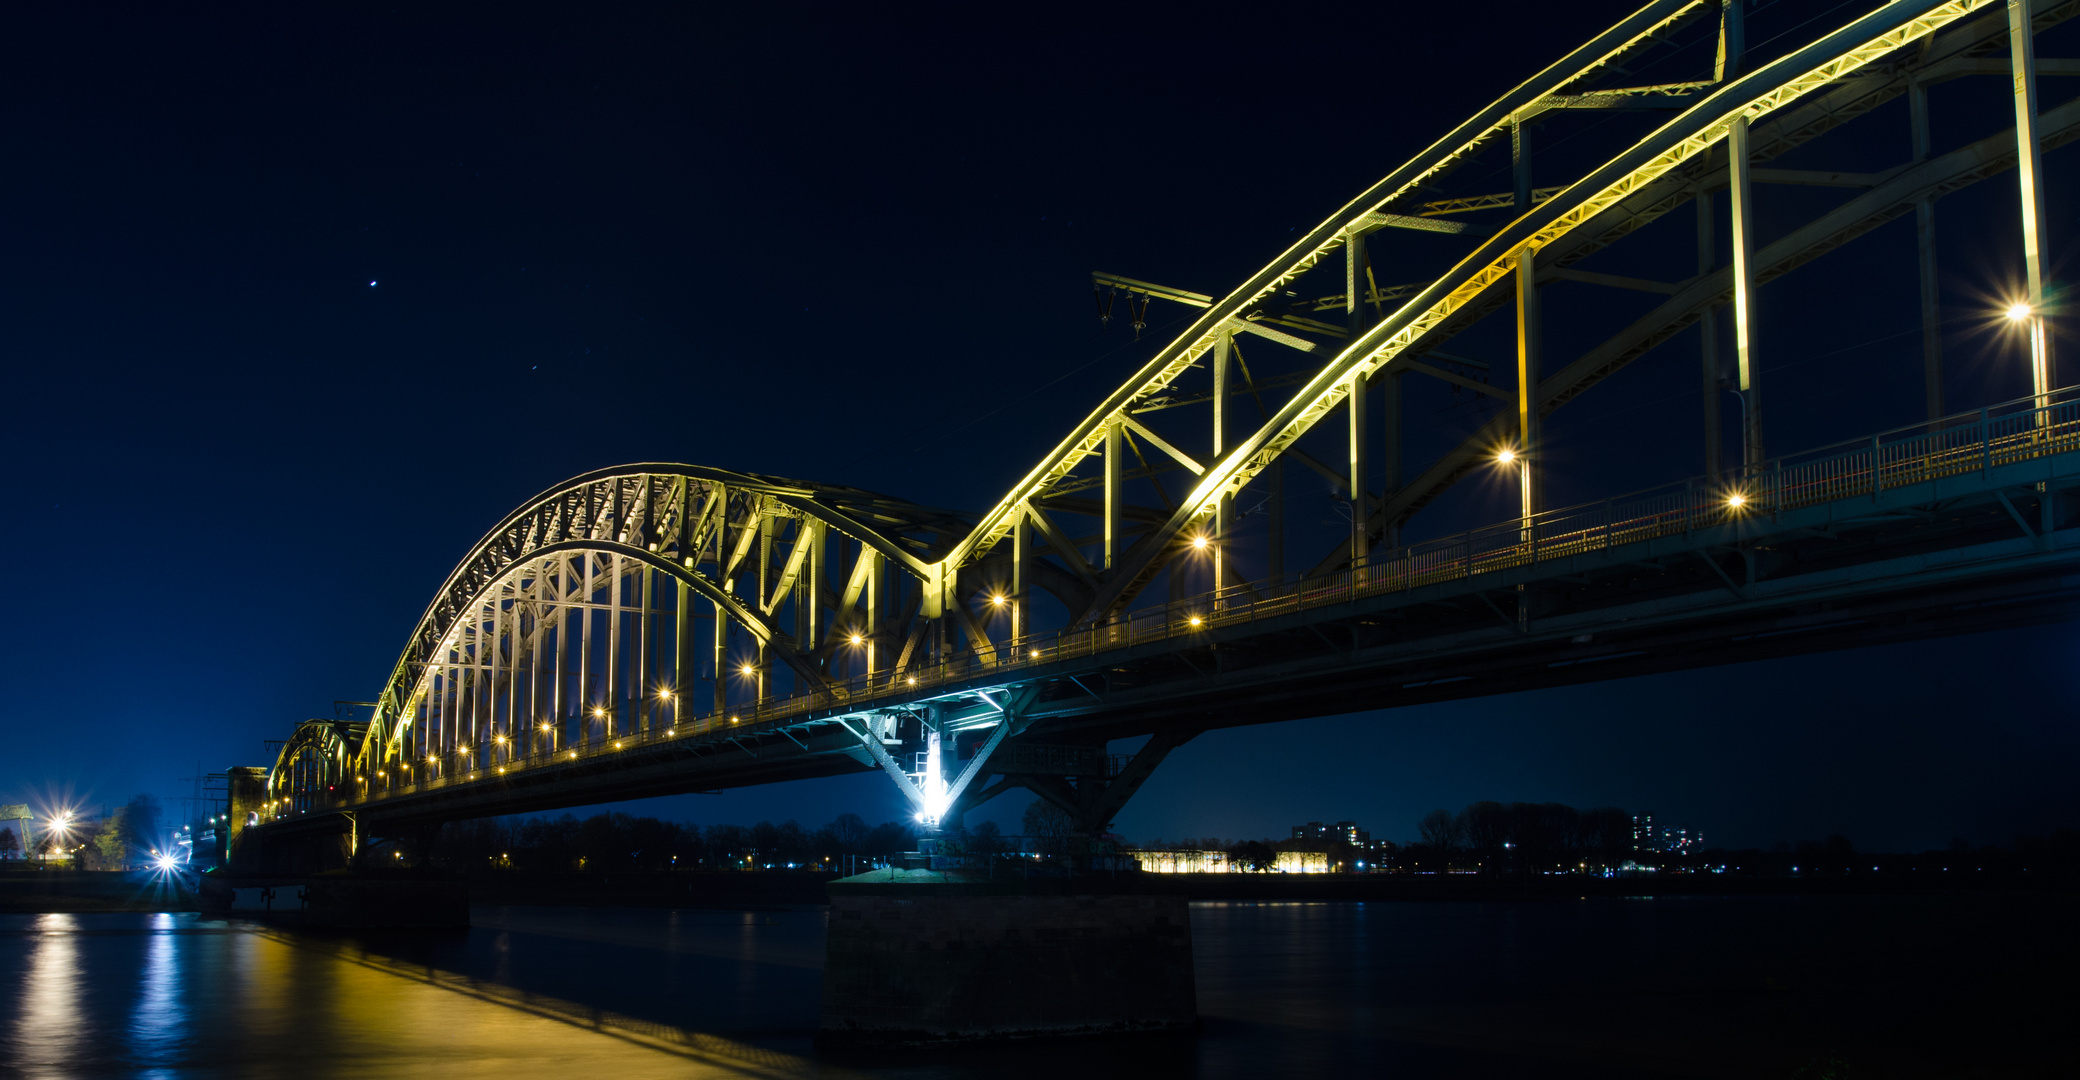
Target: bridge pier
column 921, row 958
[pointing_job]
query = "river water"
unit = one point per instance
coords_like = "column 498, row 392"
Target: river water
column 1932, row 985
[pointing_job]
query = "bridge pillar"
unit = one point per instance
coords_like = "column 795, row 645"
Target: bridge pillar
column 947, row 960
column 1527, row 383
column 2029, row 170
column 1743, row 201
column 1360, row 484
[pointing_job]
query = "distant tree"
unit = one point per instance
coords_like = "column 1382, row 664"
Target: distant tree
column 1439, row 829
column 790, row 843
column 727, row 844
column 1484, row 828
column 1604, row 835
column 108, row 841
column 986, row 839
column 652, row 842
column 1541, row 836
column 890, row 838
column 604, row 842
column 9, row 842
column 847, row 833
column 1045, row 819
column 765, row 842
column 1255, row 856
column 140, row 824
column 550, row 843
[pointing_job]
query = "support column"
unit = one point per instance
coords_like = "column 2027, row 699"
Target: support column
column 1708, row 338
column 586, row 704
column 1224, row 506
column 719, row 640
column 1021, row 550
column 682, row 652
column 2029, row 169
column 873, row 602
column 1925, row 260
column 766, row 524
column 1360, row 452
column 934, row 778
column 1528, row 448
column 1744, row 295
column 1112, row 492
column 645, row 694
column 1354, row 283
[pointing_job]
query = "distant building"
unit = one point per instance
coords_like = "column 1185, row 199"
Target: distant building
column 1646, row 838
column 1303, row 862
column 1346, row 832
column 1219, row 862
column 1643, row 832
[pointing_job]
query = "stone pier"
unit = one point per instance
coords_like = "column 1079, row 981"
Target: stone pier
column 918, row 957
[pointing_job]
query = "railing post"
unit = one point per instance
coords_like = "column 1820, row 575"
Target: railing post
column 1985, row 443
column 1609, row 512
column 1877, row 470
column 1776, row 494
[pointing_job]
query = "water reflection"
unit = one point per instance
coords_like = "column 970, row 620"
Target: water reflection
column 1706, row 986
column 47, row 1021
column 159, row 1022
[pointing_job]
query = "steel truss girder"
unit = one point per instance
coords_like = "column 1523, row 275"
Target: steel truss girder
column 1600, row 54
column 1769, row 88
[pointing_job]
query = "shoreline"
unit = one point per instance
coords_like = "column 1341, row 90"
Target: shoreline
column 50, row 891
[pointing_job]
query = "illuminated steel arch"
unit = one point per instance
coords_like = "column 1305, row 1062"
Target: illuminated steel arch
column 576, row 621
column 322, row 759
column 1387, row 332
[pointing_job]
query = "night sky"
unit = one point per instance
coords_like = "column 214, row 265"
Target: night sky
column 296, row 304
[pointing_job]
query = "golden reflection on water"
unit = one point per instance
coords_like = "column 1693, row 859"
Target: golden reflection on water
column 411, row 1021
column 47, row 1016
column 241, row 1000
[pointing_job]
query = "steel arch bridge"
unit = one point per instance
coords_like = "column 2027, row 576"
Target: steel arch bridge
column 664, row 627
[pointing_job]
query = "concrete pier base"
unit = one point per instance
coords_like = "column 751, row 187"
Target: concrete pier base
column 927, row 962
column 340, row 901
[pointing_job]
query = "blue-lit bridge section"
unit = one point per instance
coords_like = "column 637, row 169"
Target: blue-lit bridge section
column 663, row 628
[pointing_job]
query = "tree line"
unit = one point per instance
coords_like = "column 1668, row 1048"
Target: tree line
column 1522, row 837
column 618, row 841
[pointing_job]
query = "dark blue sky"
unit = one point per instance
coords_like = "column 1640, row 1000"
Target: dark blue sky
column 834, row 242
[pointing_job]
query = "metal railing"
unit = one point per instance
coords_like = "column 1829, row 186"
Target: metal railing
column 2014, row 431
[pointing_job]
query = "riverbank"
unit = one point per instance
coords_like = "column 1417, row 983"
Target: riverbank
column 39, row 891
column 143, row 890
